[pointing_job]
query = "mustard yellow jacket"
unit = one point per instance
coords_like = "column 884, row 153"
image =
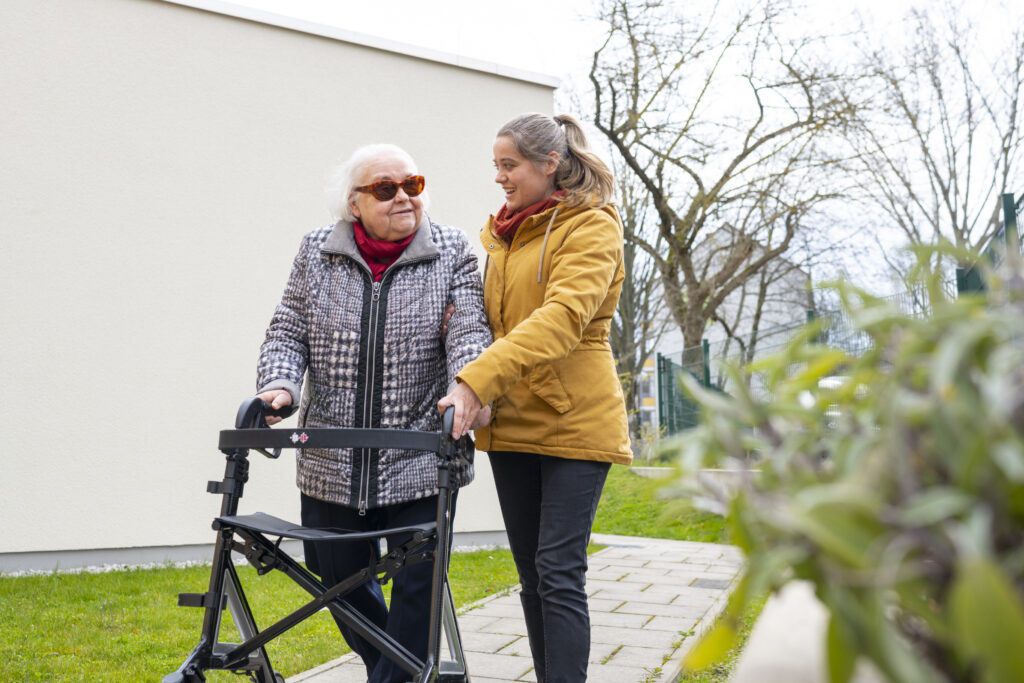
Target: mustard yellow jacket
column 550, row 297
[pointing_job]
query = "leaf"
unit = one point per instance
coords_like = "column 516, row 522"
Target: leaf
column 953, row 354
column 840, row 519
column 712, row 647
column 934, row 506
column 988, row 621
column 1010, row 459
column 842, row 655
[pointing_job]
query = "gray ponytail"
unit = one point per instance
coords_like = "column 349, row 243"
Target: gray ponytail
column 581, row 173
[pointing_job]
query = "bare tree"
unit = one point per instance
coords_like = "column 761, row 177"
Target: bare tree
column 773, row 302
column 945, row 136
column 722, row 119
column 640, row 320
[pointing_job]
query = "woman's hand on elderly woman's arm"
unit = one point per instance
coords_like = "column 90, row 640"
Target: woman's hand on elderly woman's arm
column 277, row 398
column 449, row 311
column 468, row 411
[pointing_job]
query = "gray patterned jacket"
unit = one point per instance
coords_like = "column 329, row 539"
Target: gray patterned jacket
column 374, row 355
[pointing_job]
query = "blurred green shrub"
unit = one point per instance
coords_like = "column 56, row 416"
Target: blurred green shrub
column 893, row 481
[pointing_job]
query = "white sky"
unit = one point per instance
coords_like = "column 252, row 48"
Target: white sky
column 541, row 36
column 555, row 37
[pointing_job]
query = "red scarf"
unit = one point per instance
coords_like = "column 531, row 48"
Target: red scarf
column 378, row 254
column 506, row 223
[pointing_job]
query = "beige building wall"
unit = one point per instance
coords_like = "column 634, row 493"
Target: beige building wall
column 160, row 164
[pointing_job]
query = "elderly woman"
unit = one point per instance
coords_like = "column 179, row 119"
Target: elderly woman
column 362, row 314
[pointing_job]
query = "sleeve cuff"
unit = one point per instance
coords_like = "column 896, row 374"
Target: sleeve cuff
column 289, row 386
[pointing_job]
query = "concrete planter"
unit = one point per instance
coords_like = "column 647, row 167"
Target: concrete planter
column 653, row 472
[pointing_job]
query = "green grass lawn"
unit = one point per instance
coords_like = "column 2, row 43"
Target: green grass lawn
column 631, row 506
column 126, row 625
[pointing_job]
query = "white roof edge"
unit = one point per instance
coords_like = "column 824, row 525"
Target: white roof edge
column 337, row 33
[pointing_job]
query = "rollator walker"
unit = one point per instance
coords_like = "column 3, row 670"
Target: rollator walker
column 258, row 538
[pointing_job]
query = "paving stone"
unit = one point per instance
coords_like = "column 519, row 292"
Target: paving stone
column 598, row 584
column 502, row 667
column 725, row 568
column 688, row 598
column 684, row 611
column 519, row 647
column 677, row 567
column 599, row 652
column 620, row 636
column 622, row 594
column 479, row 641
column 620, row 620
column 669, row 587
column 507, row 625
column 622, row 562
column 608, row 574
column 472, row 621
column 712, row 593
column 610, row 673
column 644, row 574
column 596, row 605
column 633, row 655
column 674, row 624
column 498, row 610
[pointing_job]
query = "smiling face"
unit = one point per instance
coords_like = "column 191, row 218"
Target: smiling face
column 523, row 181
column 396, row 218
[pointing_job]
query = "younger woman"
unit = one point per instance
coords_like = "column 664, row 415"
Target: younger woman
column 558, row 421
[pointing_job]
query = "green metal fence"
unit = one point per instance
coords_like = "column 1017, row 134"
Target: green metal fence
column 676, row 412
column 968, row 279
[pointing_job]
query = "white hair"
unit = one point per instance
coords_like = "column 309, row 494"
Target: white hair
column 343, row 180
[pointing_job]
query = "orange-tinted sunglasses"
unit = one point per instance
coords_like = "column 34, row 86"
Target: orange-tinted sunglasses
column 387, row 189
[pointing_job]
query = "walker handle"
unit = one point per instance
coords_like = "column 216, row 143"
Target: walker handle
column 448, row 422
column 253, row 412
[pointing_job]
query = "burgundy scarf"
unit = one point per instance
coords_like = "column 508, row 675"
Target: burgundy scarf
column 378, row 254
column 506, row 223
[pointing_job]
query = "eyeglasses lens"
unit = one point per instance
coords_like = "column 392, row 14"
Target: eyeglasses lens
column 387, row 189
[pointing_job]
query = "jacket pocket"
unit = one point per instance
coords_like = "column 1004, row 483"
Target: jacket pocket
column 545, row 383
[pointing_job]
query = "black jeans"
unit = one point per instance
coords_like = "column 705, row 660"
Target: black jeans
column 548, row 505
column 408, row 620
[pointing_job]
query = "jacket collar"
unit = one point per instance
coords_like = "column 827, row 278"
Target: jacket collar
column 534, row 226
column 342, row 241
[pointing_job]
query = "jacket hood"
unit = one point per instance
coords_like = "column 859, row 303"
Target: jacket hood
column 542, row 223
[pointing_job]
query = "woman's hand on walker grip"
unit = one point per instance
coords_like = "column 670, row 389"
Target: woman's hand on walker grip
column 469, row 413
column 277, row 398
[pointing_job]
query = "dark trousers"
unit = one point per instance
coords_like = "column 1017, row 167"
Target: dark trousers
column 408, row 619
column 548, row 505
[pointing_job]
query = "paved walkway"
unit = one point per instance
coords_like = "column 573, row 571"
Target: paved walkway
column 650, row 599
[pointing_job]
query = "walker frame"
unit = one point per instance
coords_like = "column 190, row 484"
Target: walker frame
column 258, row 538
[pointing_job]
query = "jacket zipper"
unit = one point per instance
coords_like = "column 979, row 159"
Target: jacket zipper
column 371, row 372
